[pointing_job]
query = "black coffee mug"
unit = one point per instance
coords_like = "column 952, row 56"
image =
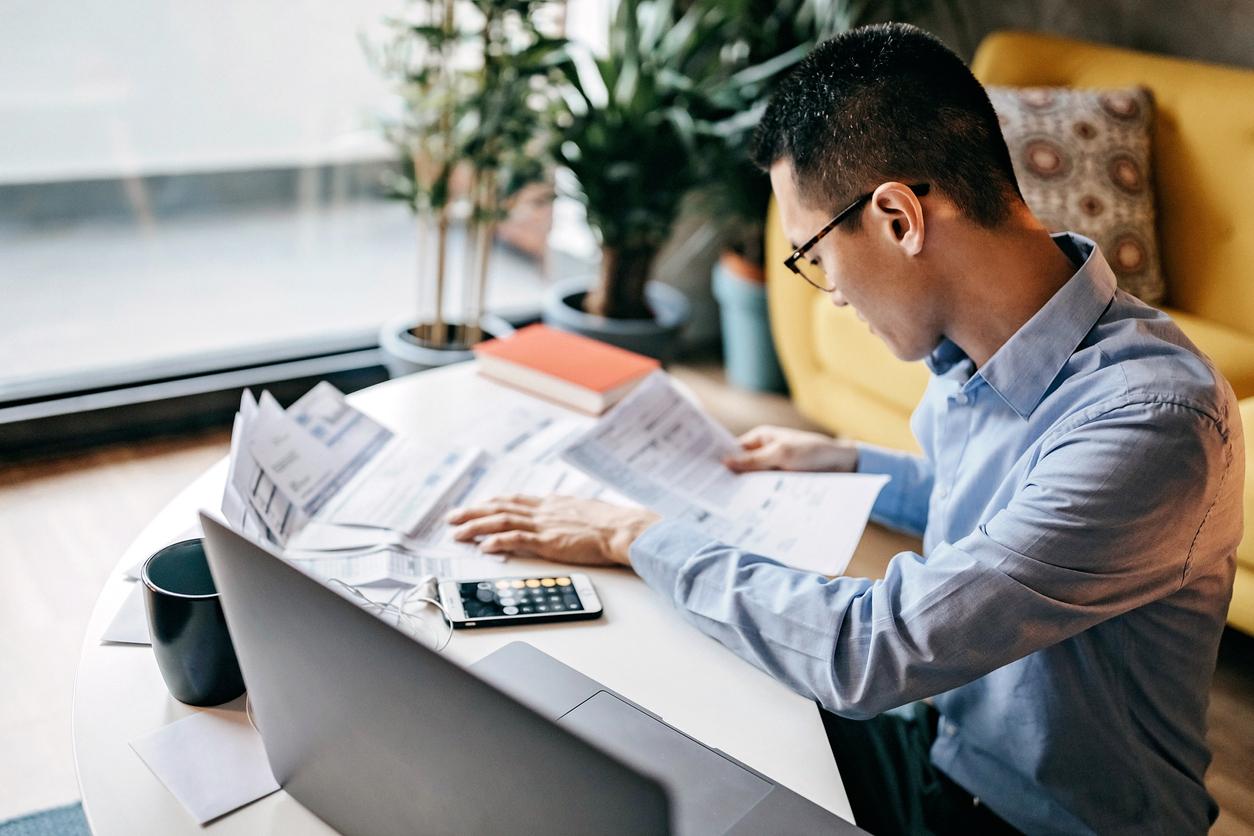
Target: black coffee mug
column 189, row 635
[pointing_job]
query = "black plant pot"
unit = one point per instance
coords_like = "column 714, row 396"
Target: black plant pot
column 404, row 353
column 657, row 337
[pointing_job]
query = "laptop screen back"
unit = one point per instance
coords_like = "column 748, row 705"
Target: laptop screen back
column 377, row 734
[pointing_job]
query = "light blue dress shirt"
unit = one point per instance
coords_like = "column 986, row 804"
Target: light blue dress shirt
column 1079, row 499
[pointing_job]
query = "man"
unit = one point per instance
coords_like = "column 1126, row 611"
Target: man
column 1079, row 496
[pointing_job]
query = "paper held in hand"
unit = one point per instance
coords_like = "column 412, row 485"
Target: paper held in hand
column 662, row 450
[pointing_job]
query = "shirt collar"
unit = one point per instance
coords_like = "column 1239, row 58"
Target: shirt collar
column 1024, row 367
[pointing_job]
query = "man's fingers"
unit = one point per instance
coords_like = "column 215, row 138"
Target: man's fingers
column 493, row 524
column 494, row 506
column 512, row 542
column 751, row 443
column 759, row 459
column 754, row 439
column 521, row 499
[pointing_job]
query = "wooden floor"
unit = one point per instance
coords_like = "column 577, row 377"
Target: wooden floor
column 64, row 523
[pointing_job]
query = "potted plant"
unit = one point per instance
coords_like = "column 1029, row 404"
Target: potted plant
column 477, row 85
column 635, row 139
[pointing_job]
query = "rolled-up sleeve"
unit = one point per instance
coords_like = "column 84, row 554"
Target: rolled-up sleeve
column 903, row 502
column 1100, row 526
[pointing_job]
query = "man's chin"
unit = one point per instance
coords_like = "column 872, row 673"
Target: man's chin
column 908, row 355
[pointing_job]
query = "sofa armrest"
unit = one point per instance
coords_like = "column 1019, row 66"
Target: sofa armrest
column 1241, row 610
column 1245, row 552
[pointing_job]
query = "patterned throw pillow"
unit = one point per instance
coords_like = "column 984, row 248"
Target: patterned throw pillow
column 1083, row 162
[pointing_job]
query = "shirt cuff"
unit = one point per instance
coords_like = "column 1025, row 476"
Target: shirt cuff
column 660, row 553
column 875, row 459
column 895, row 506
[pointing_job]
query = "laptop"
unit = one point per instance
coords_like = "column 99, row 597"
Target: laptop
column 376, row 733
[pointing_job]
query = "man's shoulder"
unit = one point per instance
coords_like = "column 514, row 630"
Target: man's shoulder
column 1137, row 358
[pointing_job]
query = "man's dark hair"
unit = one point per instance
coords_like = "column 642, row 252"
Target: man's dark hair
column 888, row 102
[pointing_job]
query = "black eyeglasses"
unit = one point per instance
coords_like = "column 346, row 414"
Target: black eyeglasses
column 919, row 189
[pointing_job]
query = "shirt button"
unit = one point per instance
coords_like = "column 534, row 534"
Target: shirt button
column 962, row 399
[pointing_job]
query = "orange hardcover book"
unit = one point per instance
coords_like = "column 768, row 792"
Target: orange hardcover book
column 580, row 372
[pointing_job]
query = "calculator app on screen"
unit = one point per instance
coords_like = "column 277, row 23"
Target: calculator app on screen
column 519, row 596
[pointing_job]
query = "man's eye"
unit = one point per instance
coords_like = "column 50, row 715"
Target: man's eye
column 815, row 261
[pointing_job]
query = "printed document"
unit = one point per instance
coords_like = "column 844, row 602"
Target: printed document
column 252, row 503
column 662, row 450
column 344, row 497
column 313, row 449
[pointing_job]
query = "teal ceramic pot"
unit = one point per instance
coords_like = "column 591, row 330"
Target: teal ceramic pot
column 748, row 349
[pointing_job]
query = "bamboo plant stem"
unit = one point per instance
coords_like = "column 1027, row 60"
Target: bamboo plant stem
column 485, row 186
column 469, row 262
column 422, row 222
column 486, row 231
column 440, row 331
column 485, row 250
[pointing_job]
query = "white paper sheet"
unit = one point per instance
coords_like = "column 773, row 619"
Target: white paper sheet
column 521, row 431
column 409, row 487
column 251, row 502
column 660, row 449
column 400, row 488
column 241, row 477
column 325, row 537
column 351, row 438
column 392, row 565
column 130, row 625
column 345, row 499
column 213, row 762
column 300, row 465
column 309, row 452
column 321, row 475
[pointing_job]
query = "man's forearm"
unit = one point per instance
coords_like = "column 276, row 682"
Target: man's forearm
column 773, row 616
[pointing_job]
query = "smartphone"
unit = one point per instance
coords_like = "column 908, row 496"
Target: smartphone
column 493, row 602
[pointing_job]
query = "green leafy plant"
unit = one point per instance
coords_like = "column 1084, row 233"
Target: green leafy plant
column 478, row 87
column 766, row 38
column 637, row 137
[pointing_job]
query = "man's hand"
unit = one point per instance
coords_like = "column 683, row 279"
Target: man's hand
column 781, row 448
column 586, row 532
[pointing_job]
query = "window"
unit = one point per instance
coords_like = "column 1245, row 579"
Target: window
column 188, row 188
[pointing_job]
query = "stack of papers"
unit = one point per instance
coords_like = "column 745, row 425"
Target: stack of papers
column 346, row 498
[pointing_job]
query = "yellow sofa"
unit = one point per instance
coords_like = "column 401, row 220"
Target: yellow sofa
column 1203, row 156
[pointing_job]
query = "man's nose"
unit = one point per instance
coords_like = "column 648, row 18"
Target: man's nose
column 838, row 298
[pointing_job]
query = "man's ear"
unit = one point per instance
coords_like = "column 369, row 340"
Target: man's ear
column 897, row 214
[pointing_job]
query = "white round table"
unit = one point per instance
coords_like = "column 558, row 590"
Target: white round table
column 640, row 647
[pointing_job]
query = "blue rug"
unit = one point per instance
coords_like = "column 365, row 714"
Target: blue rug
column 59, row 821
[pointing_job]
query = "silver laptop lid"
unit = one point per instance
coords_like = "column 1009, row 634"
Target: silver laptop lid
column 376, row 734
